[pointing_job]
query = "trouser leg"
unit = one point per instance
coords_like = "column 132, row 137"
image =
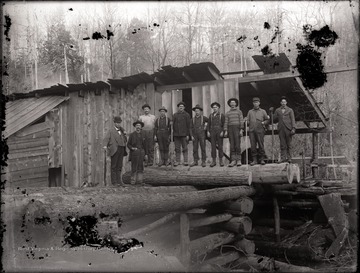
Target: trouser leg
column 202, row 146
column 185, row 149
column 213, row 143
column 283, row 144
column 149, row 136
column 236, row 134
column 253, row 146
column 178, row 143
column 195, row 148
column 232, row 143
column 260, row 142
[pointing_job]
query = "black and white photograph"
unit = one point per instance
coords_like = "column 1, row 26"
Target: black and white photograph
column 179, row 136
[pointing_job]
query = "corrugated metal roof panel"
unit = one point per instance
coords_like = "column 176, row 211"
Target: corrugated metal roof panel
column 20, row 113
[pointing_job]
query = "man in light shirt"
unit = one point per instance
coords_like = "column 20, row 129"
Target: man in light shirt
column 148, row 131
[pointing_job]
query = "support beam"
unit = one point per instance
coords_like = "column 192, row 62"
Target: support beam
column 315, row 156
column 214, row 74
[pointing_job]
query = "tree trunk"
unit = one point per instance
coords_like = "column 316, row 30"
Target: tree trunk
column 245, row 246
column 238, row 225
column 181, row 175
column 207, row 243
column 274, row 173
column 241, row 205
column 204, row 221
column 267, row 264
column 279, row 250
column 131, row 204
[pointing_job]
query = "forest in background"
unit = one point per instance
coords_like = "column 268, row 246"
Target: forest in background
column 73, row 42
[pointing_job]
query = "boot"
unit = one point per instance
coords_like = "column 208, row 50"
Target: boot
column 161, row 163
column 232, row 163
column 176, row 163
column 238, row 163
column 213, row 163
column 121, row 182
column 203, row 164
column 262, row 162
column 195, row 163
column 140, row 178
column 133, row 179
column 186, row 163
column 254, row 162
column 221, row 162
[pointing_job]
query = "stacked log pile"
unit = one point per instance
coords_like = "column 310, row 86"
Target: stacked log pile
column 303, row 222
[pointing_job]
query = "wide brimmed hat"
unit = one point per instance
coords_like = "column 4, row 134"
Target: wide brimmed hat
column 256, row 99
column 117, row 119
column 181, row 103
column 233, row 99
column 163, row 108
column 138, row 122
column 197, row 106
column 283, row 98
column 146, row 105
column 215, row 103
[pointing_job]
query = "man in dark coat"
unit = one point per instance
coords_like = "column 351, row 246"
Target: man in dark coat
column 198, row 130
column 285, row 117
column 138, row 152
column 181, row 133
column 215, row 132
column 258, row 119
column 162, row 135
column 114, row 143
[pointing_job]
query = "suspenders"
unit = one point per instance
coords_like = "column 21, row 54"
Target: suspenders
column 166, row 121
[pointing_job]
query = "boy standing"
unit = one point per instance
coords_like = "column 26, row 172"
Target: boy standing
column 198, row 129
column 215, row 132
column 162, row 133
column 234, row 127
column 138, row 151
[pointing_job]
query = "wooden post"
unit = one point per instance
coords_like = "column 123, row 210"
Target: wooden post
column 184, row 239
column 277, row 219
column 315, row 157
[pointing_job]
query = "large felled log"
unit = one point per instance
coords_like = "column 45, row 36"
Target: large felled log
column 246, row 246
column 266, row 264
column 240, row 205
column 275, row 173
column 204, row 221
column 131, row 204
column 207, row 243
column 238, row 225
column 181, row 175
column 279, row 250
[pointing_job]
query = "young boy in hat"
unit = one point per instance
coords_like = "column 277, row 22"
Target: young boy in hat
column 115, row 143
column 285, row 117
column 257, row 119
column 181, row 133
column 148, row 130
column 215, row 132
column 162, row 133
column 198, row 129
column 233, row 127
column 138, row 151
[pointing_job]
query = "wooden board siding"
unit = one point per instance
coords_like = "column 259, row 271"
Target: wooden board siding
column 28, row 156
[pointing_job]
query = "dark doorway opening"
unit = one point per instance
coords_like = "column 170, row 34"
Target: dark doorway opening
column 187, row 99
column 55, row 177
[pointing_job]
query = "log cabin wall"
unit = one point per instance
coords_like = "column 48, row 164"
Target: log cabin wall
column 28, row 156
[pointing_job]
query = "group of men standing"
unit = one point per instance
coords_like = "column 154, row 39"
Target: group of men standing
column 181, row 128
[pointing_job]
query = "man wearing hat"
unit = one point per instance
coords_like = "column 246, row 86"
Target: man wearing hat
column 181, row 132
column 233, row 127
column 215, row 132
column 148, row 130
column 138, row 151
column 162, row 133
column 257, row 119
column 114, row 143
column 198, row 130
column 285, row 117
